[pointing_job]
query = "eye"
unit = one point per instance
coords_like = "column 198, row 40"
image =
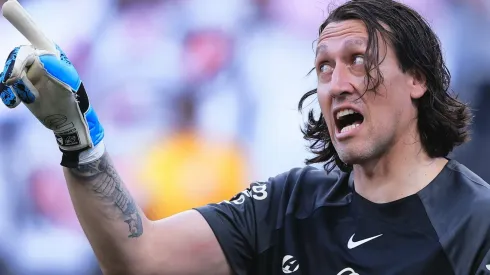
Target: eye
column 358, row 60
column 325, row 68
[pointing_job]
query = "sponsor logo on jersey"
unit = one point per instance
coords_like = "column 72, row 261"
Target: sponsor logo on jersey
column 353, row 244
column 289, row 264
column 257, row 191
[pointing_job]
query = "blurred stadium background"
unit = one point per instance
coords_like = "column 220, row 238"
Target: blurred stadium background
column 198, row 98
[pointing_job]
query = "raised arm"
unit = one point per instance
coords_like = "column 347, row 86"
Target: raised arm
column 125, row 241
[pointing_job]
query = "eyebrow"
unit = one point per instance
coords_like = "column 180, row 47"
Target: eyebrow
column 321, row 49
column 349, row 44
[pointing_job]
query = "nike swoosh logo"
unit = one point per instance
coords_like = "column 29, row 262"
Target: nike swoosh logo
column 352, row 244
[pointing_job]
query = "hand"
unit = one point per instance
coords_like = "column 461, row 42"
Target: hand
column 50, row 87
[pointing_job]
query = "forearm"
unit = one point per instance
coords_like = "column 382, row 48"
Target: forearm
column 115, row 226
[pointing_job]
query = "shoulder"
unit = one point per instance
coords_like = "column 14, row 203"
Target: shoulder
column 457, row 200
column 304, row 181
column 457, row 204
column 466, row 175
column 307, row 177
column 246, row 224
column 471, row 196
column 302, row 190
column 296, row 192
column 457, row 190
column 467, row 184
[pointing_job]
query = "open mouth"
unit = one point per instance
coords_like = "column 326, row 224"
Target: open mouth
column 347, row 120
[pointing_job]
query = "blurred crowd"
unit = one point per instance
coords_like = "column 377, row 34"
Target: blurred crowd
column 198, row 98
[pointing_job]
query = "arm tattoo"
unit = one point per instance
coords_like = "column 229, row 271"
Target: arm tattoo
column 108, row 185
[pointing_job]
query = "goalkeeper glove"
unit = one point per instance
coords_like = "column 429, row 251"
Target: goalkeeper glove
column 50, row 87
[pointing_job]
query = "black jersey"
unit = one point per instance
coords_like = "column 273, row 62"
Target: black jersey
column 309, row 222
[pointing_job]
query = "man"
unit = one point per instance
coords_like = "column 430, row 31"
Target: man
column 398, row 207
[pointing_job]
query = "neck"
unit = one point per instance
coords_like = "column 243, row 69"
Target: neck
column 401, row 172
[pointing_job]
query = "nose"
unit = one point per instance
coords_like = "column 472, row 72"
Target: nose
column 340, row 84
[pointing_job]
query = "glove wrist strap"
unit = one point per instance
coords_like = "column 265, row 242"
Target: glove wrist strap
column 72, row 159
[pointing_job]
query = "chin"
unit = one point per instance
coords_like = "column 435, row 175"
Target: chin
column 353, row 156
column 348, row 159
column 349, row 162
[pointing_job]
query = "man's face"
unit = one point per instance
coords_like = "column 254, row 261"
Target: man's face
column 363, row 125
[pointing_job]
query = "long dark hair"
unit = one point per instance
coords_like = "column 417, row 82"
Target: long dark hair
column 443, row 121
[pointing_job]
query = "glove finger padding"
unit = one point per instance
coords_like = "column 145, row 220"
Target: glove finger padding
column 9, row 98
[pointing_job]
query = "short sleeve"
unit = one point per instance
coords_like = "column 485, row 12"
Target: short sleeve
column 238, row 222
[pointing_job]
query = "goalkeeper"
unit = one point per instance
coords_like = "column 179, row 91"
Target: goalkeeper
column 397, row 205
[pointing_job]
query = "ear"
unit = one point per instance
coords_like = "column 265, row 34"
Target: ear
column 418, row 84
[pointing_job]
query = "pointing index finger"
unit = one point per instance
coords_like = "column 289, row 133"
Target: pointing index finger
column 22, row 21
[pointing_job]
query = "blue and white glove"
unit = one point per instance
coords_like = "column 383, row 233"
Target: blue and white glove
column 50, row 87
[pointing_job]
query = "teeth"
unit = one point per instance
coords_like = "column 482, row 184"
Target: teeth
column 350, row 127
column 344, row 113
